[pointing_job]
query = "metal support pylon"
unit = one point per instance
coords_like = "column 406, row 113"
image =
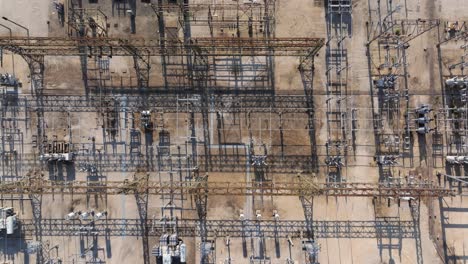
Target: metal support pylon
column 142, row 68
column 141, row 63
column 201, row 200
column 306, row 69
column 141, row 197
column 34, row 180
column 415, row 214
column 36, row 204
column 36, row 68
column 201, row 84
column 307, row 202
column 308, row 207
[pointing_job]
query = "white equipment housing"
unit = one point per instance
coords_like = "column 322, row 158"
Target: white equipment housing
column 183, row 252
column 456, row 82
column 8, row 221
column 457, row 159
column 57, row 157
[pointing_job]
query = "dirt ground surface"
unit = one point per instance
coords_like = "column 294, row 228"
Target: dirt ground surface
column 103, row 139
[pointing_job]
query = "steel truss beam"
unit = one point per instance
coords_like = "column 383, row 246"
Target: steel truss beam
column 141, row 62
column 215, row 162
column 403, row 30
column 36, row 204
column 141, row 198
column 171, row 103
column 201, row 7
column 201, row 200
column 259, row 46
column 462, row 33
column 83, row 19
column 298, row 188
column 196, row 16
column 224, row 228
column 48, row 46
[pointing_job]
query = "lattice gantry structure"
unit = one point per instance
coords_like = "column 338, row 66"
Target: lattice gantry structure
column 397, row 122
column 219, row 131
column 389, row 37
column 214, row 68
column 452, row 52
column 338, row 14
column 451, row 140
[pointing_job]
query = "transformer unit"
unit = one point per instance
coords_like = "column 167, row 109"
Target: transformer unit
column 386, row 82
column 57, row 157
column 146, row 120
column 456, row 82
column 8, row 221
column 311, row 250
column 387, row 159
column 171, row 250
column 9, row 80
column 57, row 151
column 457, row 159
column 422, row 119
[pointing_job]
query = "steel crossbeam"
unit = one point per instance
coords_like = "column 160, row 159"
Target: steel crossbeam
column 223, row 228
column 202, row 6
column 403, row 30
column 222, row 163
column 168, row 103
column 203, row 13
column 127, row 187
column 52, row 46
